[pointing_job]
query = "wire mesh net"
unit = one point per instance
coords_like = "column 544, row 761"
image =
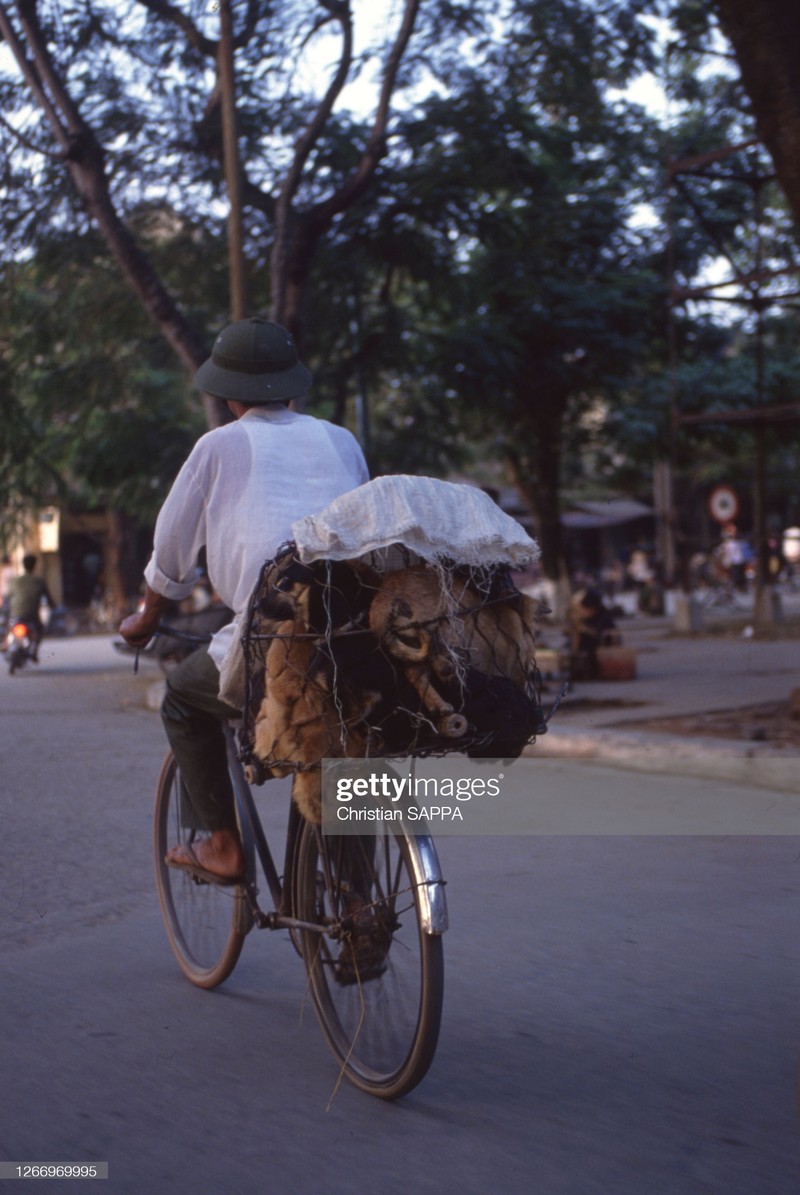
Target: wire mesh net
column 387, row 655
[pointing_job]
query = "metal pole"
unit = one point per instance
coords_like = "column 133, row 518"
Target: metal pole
column 760, row 429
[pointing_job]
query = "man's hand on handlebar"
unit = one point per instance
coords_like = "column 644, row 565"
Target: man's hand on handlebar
column 138, row 629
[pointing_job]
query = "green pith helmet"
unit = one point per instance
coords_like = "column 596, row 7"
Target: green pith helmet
column 254, row 361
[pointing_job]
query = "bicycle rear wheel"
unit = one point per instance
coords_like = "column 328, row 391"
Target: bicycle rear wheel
column 376, row 977
column 206, row 924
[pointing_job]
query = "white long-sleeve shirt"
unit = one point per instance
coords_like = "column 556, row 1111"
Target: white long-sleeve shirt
column 240, row 490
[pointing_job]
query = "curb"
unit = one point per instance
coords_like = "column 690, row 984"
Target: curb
column 704, row 758
column 676, row 755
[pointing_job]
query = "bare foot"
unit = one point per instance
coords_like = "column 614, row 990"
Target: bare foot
column 220, row 854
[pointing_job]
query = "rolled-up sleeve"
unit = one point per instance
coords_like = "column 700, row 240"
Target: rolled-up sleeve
column 179, row 535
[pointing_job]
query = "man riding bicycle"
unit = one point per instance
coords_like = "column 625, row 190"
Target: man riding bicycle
column 237, row 495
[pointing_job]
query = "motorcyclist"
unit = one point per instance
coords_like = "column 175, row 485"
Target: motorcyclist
column 26, row 594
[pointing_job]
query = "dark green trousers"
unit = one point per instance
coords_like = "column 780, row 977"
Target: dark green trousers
column 193, row 714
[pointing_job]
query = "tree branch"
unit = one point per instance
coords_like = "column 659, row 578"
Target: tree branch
column 290, row 261
column 206, row 45
column 375, row 148
column 45, row 68
column 84, row 161
column 254, row 197
column 282, row 250
column 30, row 74
column 765, row 37
column 250, row 19
column 163, row 9
column 311, row 136
column 27, row 143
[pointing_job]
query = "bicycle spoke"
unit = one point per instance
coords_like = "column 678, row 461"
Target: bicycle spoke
column 206, row 923
column 375, row 977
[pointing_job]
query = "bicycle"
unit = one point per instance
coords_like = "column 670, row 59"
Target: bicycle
column 724, row 596
column 366, row 914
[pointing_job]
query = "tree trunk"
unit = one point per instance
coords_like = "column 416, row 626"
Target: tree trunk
column 538, row 475
column 548, row 478
column 90, row 181
column 116, row 553
column 233, row 174
column 537, row 472
column 290, row 271
column 765, row 35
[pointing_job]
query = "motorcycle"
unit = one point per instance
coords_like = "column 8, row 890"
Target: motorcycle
column 20, row 646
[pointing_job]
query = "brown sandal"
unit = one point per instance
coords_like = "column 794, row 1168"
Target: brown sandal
column 195, row 868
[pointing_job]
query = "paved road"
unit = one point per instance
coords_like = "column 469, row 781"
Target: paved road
column 621, row 1014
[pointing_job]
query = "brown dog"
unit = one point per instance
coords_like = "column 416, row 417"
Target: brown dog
column 440, row 630
column 437, row 632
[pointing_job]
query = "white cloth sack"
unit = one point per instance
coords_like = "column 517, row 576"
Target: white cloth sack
column 435, row 519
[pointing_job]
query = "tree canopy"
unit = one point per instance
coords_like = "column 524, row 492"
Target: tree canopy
column 476, row 259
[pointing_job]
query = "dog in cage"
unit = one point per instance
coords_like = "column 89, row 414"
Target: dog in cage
column 357, row 662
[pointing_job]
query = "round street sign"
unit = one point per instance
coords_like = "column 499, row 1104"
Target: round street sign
column 723, row 504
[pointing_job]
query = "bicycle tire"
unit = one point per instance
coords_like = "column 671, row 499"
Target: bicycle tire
column 206, row 924
column 376, row 978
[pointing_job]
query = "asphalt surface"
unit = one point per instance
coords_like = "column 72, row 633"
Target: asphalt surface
column 620, row 1012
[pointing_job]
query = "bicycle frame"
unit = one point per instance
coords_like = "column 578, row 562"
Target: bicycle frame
column 426, row 871
column 366, row 917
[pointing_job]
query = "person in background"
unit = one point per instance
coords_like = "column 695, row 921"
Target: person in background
column 588, row 621
column 25, row 596
column 733, row 554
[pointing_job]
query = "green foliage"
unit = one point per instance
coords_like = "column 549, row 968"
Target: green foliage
column 98, row 414
column 492, row 300
column 515, row 293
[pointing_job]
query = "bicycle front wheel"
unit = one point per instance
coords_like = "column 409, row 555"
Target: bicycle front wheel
column 206, row 924
column 376, row 977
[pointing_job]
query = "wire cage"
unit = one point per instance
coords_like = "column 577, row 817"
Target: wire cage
column 386, row 655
